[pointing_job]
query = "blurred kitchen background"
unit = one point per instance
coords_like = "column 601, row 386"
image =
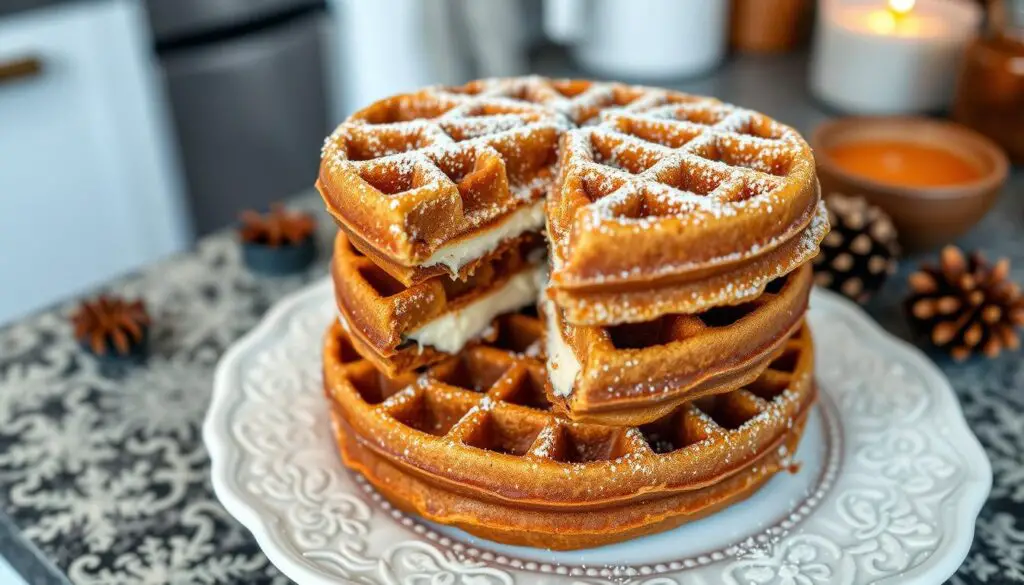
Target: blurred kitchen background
column 130, row 128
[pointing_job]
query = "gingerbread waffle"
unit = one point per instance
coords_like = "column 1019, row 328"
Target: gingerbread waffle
column 714, row 201
column 401, row 328
column 473, row 442
column 433, row 181
column 638, row 372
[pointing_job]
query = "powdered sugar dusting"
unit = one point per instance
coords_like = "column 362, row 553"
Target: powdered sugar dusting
column 732, row 430
column 733, row 292
column 713, row 184
column 643, row 156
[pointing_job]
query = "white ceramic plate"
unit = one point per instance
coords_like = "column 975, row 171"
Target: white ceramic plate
column 890, row 485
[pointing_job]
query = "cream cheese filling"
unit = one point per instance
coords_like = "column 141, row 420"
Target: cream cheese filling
column 563, row 367
column 451, row 331
column 529, row 218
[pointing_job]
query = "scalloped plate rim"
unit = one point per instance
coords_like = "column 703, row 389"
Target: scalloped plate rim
column 216, row 437
column 979, row 467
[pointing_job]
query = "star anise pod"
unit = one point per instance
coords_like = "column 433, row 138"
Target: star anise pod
column 110, row 324
column 966, row 305
column 279, row 227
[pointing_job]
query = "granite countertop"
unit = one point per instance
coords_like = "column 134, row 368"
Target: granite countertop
column 104, row 478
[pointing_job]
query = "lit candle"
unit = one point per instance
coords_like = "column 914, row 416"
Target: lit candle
column 899, row 58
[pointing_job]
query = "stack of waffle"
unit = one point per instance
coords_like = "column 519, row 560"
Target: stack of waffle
column 664, row 239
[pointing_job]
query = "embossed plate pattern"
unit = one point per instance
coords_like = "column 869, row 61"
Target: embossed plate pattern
column 891, row 485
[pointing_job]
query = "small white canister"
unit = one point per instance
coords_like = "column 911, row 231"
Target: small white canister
column 641, row 39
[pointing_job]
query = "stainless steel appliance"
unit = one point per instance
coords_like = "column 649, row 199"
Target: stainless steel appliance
column 246, row 80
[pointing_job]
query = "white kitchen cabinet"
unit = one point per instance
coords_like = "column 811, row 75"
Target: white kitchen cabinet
column 8, row 575
column 89, row 183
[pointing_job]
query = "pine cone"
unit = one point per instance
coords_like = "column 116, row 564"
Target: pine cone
column 966, row 305
column 860, row 252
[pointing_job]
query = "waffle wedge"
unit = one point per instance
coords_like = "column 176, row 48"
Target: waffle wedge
column 473, row 442
column 638, row 372
column 433, row 181
column 714, row 201
column 400, row 328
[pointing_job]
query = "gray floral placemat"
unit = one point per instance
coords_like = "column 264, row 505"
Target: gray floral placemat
column 103, row 469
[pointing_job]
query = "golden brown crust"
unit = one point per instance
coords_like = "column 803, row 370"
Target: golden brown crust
column 715, row 201
column 400, row 360
column 414, row 173
column 411, row 276
column 633, row 374
column 379, row 311
column 552, row 529
column 637, row 303
column 679, row 228
column 478, row 428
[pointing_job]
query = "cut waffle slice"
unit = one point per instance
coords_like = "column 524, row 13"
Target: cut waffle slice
column 401, row 328
column 715, row 202
column 473, row 442
column 432, row 181
column 635, row 373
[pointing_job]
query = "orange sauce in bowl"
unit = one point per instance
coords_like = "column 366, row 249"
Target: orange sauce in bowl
column 903, row 163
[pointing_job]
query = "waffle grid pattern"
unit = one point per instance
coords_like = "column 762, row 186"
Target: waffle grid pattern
column 474, row 152
column 638, row 371
column 679, row 158
column 677, row 327
column 385, row 309
column 715, row 201
column 490, row 400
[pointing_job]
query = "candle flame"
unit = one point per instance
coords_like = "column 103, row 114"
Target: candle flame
column 882, row 22
column 901, row 7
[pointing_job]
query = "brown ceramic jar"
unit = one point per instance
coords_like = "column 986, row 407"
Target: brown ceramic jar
column 990, row 92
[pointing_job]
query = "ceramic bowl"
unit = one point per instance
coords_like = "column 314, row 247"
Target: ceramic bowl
column 279, row 260
column 925, row 216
